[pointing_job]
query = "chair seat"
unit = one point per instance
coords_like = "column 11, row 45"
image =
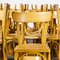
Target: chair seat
column 32, row 48
column 54, row 37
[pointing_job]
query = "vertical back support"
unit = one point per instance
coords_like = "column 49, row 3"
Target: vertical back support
column 5, row 18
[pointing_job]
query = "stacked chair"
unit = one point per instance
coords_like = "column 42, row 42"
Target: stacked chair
column 32, row 43
column 3, row 14
column 1, row 11
column 32, row 49
column 7, row 37
column 54, row 34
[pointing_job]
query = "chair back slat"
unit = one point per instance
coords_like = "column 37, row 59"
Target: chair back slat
column 21, row 7
column 1, row 14
column 58, row 16
column 31, row 16
column 0, row 6
column 45, row 7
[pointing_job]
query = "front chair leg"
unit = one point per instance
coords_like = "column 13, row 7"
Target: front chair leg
column 16, row 56
column 49, row 56
column 4, row 54
column 59, row 53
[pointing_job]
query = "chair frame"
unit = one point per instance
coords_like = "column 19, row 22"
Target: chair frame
column 30, row 17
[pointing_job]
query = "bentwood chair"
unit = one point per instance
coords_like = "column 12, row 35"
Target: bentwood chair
column 36, row 25
column 1, row 18
column 1, row 31
column 55, row 36
column 7, row 37
column 43, row 8
column 54, row 17
column 32, row 49
column 58, row 31
column 52, row 30
column 25, row 8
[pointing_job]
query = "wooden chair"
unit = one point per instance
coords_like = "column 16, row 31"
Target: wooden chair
column 35, row 24
column 31, row 48
column 43, row 8
column 7, row 37
column 25, row 7
column 1, row 10
column 1, row 18
column 4, row 22
column 53, row 23
column 58, row 30
column 55, row 37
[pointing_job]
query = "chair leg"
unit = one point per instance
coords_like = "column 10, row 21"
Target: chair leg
column 4, row 51
column 49, row 56
column 4, row 55
column 59, row 53
column 45, row 55
column 16, row 56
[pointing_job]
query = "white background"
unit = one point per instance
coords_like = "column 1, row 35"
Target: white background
column 38, row 2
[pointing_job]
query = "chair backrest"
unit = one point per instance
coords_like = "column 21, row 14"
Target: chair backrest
column 25, row 7
column 53, row 9
column 5, row 21
column 44, row 7
column 21, row 7
column 1, row 17
column 31, row 16
column 15, row 7
column 43, row 17
column 0, row 6
column 58, row 17
column 1, row 12
column 4, row 18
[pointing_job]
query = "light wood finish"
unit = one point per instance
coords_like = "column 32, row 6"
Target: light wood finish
column 1, row 18
column 21, row 7
column 45, row 7
column 7, row 37
column 58, row 29
column 27, row 7
column 51, row 22
column 55, row 36
column 32, row 7
column 54, row 17
column 25, row 17
column 0, row 6
column 1, row 14
column 33, row 48
column 15, row 7
column 5, row 24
